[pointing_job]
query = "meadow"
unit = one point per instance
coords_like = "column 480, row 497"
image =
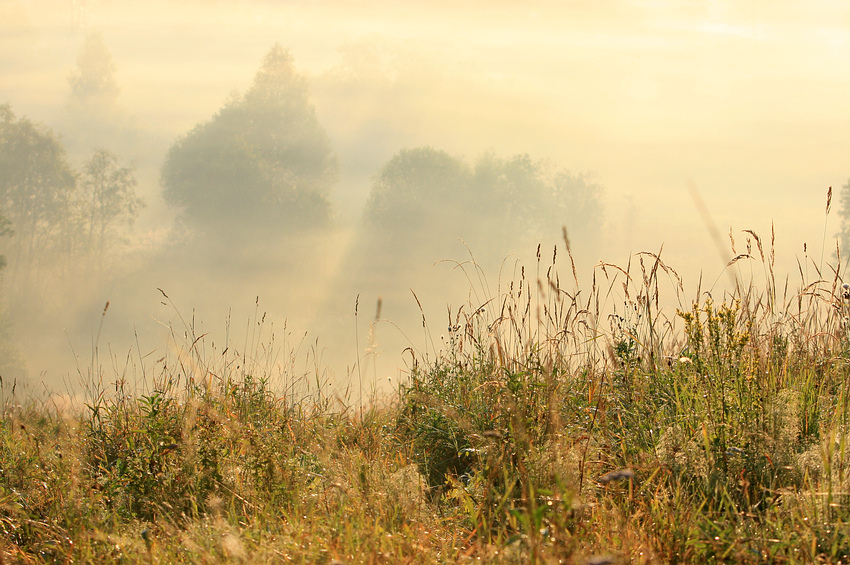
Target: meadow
column 540, row 423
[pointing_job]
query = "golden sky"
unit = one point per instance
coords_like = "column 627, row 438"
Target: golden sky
column 746, row 98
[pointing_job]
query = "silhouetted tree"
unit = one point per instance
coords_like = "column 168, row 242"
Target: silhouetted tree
column 425, row 200
column 262, row 163
column 92, row 118
column 94, row 90
column 531, row 199
column 5, row 231
column 58, row 216
column 416, row 187
column 36, row 187
column 106, row 198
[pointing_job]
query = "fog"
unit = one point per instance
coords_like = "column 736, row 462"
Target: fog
column 746, row 101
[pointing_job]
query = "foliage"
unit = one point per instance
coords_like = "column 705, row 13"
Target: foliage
column 94, row 89
column 425, row 200
column 529, row 199
column 36, row 185
column 63, row 224
column 414, row 186
column 153, row 455
column 263, row 162
column 106, row 198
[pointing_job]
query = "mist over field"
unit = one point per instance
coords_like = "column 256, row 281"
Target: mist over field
column 411, row 137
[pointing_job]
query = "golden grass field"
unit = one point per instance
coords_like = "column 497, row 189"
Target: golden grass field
column 555, row 425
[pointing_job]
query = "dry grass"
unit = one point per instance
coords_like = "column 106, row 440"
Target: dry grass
column 559, row 425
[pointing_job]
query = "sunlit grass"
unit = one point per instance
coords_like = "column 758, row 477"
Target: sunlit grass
column 557, row 424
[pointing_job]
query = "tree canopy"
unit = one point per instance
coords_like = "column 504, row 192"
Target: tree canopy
column 94, row 90
column 416, row 187
column 106, row 197
column 55, row 215
column 36, row 182
column 262, row 162
column 426, row 199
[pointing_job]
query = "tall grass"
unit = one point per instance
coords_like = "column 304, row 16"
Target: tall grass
column 624, row 422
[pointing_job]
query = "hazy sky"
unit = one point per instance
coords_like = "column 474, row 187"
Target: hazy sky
column 746, row 98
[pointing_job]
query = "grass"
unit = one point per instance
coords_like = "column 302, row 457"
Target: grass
column 557, row 425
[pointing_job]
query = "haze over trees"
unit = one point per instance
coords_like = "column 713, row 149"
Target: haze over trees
column 426, row 205
column 37, row 187
column 106, row 199
column 94, row 89
column 251, row 186
column 425, row 200
column 92, row 118
column 58, row 217
column 59, row 227
column 262, row 164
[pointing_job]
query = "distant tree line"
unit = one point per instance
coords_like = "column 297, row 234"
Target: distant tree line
column 264, row 164
column 260, row 171
column 424, row 198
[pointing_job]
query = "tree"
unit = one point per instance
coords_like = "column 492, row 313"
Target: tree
column 5, row 231
column 107, row 197
column 531, row 199
column 94, row 90
column 11, row 363
column 427, row 200
column 36, row 186
column 262, row 163
column 417, row 187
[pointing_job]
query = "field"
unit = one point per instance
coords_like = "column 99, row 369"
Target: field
column 551, row 425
